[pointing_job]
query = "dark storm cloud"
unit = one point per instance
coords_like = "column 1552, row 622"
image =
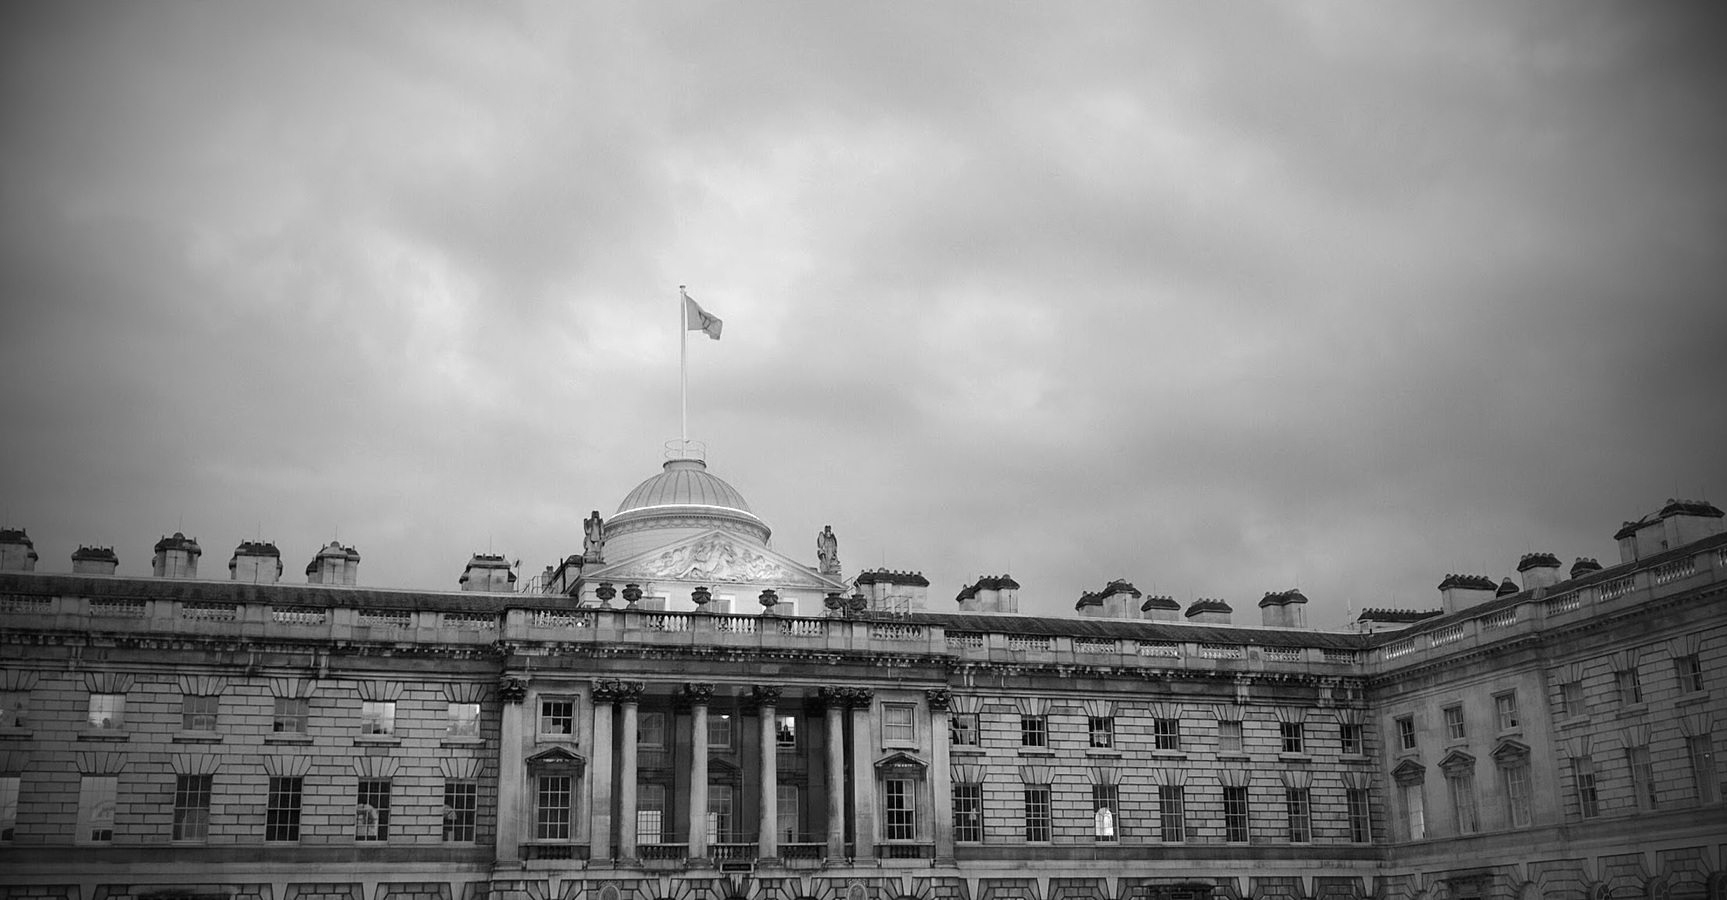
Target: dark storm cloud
column 1220, row 299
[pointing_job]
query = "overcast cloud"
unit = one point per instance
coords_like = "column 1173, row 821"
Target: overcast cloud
column 1218, row 298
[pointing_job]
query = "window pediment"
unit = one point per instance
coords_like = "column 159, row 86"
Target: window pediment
column 1510, row 753
column 901, row 765
column 556, row 761
column 1457, row 761
column 1409, row 772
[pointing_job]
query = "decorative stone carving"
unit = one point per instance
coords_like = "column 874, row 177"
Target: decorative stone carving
column 828, row 552
column 607, row 691
column 764, row 695
column 858, row 698
column 701, row 596
column 770, row 598
column 939, row 698
column 715, row 559
column 697, row 692
column 513, row 689
column 593, row 538
column 630, row 691
column 632, row 594
column 605, row 592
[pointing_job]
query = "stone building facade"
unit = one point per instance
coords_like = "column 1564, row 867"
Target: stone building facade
column 686, row 713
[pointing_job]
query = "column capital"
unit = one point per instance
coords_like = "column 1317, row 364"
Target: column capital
column 939, row 698
column 696, row 693
column 513, row 689
column 612, row 690
column 845, row 697
column 764, row 695
column 859, row 698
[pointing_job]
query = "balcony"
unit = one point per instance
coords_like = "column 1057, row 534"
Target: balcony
column 905, row 851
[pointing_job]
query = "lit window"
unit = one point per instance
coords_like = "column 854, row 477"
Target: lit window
column 901, row 809
column 558, row 718
column 96, row 797
column 967, row 812
column 651, row 730
column 378, row 717
column 1229, row 736
column 721, row 816
column 719, row 731
column 1701, row 751
column 552, row 808
column 1172, row 812
column 290, row 715
column 1468, row 816
column 899, row 725
column 1351, row 738
column 1033, row 731
column 1235, row 815
column 1588, row 800
column 192, row 807
column 463, row 720
column 1102, row 731
column 1505, row 710
column 1571, row 699
column 1104, row 809
column 8, row 808
column 1630, row 686
column 650, row 813
column 1300, row 815
column 1642, row 777
column 282, row 810
column 1517, row 794
column 962, row 729
column 198, row 713
column 461, row 811
column 786, row 732
column 1690, row 672
column 372, row 810
column 1406, row 733
column 107, row 711
column 1292, row 737
column 1037, row 813
column 14, row 709
column 1454, row 729
column 1166, row 734
column 1414, row 811
column 1360, row 818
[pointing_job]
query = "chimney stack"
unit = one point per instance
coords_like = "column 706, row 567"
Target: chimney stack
column 17, row 553
column 1208, row 612
column 1283, row 609
column 990, row 594
column 1160, row 609
column 894, row 591
column 94, row 561
column 1463, row 591
column 1583, row 566
column 176, row 557
column 1678, row 523
column 255, row 562
column 489, row 573
column 1539, row 570
column 334, row 564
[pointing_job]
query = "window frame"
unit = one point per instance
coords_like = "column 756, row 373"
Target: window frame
column 1230, row 737
column 1237, row 815
column 1519, row 795
column 652, row 736
column 557, row 719
column 378, row 718
column 199, row 712
column 1456, row 726
column 1034, row 732
column 1407, row 740
column 1588, row 794
column 284, row 799
column 1359, row 809
column 1572, row 701
column 1352, row 739
column 372, row 810
column 1689, row 670
column 1465, row 807
column 289, row 711
column 1172, row 813
column 1629, row 683
column 1505, row 712
column 1700, row 752
column 462, row 720
column 98, row 798
column 111, row 707
column 1298, row 807
column 14, row 710
column 899, row 734
column 785, row 732
column 650, row 813
column 962, row 729
column 1100, row 732
column 10, row 785
column 1414, row 803
column 967, row 812
column 192, row 808
column 1106, row 797
column 899, row 808
column 1643, row 787
column 721, row 732
column 1166, row 734
column 1039, row 822
column 1293, row 737
column 461, row 811
column 554, row 807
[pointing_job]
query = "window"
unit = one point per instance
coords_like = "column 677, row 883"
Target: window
column 378, row 717
column 462, row 720
column 1505, row 711
column 1033, row 731
column 96, row 795
column 1406, row 733
column 461, row 811
column 1454, row 728
column 14, row 709
column 1571, row 699
column 198, row 712
column 1228, row 736
column 1630, row 686
column 192, row 807
column 1037, row 821
column 107, row 711
column 967, row 812
column 1172, row 813
column 1166, row 734
column 1292, row 737
column 790, row 813
column 8, row 808
column 1690, row 672
column 898, row 723
column 720, row 731
column 1517, row 794
column 1351, row 738
column 1296, row 804
column 372, row 810
column 1104, row 810
column 1588, row 801
column 1642, row 777
column 1701, row 751
column 901, row 819
column 558, row 718
column 1414, row 811
column 282, row 810
column 1102, row 731
column 721, row 814
column 1360, row 817
column 650, row 813
column 1235, row 815
column 786, row 732
column 290, row 717
column 552, row 808
column 1463, row 807
column 962, row 729
column 651, row 730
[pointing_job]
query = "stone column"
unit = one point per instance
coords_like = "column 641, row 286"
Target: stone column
column 604, row 694
column 698, row 694
column 630, row 696
column 512, row 779
column 863, row 775
column 941, row 774
column 834, row 709
column 767, row 707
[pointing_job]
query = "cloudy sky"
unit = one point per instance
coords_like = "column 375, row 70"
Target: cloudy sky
column 1219, row 299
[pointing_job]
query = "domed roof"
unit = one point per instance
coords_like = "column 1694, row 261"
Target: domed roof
column 685, row 482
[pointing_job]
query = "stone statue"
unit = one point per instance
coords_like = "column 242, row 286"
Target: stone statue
column 593, row 537
column 828, row 551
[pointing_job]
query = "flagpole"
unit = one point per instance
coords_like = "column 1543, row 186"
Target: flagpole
column 683, row 372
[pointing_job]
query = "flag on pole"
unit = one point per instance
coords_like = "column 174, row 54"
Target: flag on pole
column 701, row 320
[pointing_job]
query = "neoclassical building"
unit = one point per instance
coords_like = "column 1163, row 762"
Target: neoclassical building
column 681, row 711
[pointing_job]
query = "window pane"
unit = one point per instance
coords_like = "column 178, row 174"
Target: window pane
column 461, row 807
column 372, row 811
column 1300, row 826
column 962, row 729
column 552, row 808
column 650, row 813
column 1360, row 820
column 901, row 809
column 107, row 711
column 967, row 812
column 1104, row 810
column 378, row 717
column 786, row 732
column 558, row 717
column 1102, row 730
column 898, row 723
column 192, row 807
column 282, row 810
column 1172, row 812
column 1037, row 824
column 1235, row 814
column 1517, row 794
column 1229, row 736
column 463, row 720
column 1032, row 732
column 198, row 713
column 290, row 715
column 96, row 799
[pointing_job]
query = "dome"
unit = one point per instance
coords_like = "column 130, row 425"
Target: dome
column 685, row 482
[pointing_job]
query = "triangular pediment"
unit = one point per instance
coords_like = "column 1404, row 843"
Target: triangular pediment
column 714, row 557
column 1409, row 772
column 1457, row 761
column 1510, row 752
column 900, row 764
column 556, row 759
